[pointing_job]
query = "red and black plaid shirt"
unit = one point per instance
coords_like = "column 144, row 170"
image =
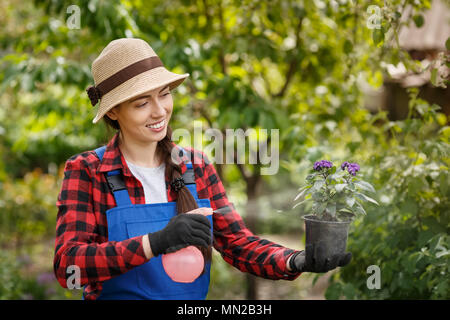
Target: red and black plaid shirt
column 82, row 235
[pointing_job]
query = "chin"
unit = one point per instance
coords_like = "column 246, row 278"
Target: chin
column 158, row 136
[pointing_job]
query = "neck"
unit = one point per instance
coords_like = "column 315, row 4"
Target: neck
column 138, row 153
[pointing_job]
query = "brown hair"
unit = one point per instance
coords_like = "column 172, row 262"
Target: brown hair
column 185, row 201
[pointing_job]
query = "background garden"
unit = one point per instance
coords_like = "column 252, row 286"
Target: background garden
column 362, row 81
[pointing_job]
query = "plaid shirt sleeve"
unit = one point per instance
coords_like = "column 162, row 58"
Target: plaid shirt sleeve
column 79, row 237
column 236, row 243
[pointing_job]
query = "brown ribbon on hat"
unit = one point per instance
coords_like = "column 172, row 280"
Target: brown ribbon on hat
column 96, row 92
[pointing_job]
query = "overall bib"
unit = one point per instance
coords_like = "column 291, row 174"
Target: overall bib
column 126, row 220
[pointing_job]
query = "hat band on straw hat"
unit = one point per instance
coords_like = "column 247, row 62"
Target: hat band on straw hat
column 96, row 92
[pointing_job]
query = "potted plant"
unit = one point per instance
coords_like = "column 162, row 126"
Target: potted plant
column 337, row 199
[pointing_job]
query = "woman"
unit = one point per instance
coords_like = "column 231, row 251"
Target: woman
column 122, row 207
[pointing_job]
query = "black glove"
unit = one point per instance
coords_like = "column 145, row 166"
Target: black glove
column 182, row 230
column 312, row 259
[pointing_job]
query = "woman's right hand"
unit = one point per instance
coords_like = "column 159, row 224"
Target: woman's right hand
column 183, row 230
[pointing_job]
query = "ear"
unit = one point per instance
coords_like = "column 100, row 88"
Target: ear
column 112, row 114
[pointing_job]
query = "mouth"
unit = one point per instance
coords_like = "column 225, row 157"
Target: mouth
column 156, row 126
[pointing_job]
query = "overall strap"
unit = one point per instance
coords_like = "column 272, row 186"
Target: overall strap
column 189, row 178
column 116, row 182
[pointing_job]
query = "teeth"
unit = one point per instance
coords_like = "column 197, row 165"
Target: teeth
column 156, row 126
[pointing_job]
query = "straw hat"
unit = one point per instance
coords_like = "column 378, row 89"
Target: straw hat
column 126, row 68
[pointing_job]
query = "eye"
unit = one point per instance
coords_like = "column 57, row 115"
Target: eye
column 141, row 105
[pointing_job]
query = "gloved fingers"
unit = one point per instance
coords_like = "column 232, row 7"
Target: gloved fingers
column 195, row 225
column 202, row 234
column 331, row 263
column 199, row 241
column 199, row 218
column 345, row 259
column 319, row 256
column 309, row 256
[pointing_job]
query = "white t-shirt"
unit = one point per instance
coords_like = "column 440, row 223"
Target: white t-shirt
column 153, row 181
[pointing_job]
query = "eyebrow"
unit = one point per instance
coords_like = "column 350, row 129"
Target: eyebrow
column 148, row 95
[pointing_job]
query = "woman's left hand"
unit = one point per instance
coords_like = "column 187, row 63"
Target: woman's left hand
column 312, row 259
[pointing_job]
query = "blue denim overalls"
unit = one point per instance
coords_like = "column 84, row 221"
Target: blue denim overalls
column 127, row 220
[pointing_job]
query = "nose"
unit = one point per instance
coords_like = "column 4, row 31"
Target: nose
column 158, row 109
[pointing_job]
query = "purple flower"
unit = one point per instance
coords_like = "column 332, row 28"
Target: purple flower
column 319, row 165
column 344, row 165
column 353, row 168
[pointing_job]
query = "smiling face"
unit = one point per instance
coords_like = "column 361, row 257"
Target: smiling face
column 144, row 118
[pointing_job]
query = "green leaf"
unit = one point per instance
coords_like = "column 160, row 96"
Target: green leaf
column 350, row 201
column 302, row 192
column 299, row 203
column 315, row 279
column 348, row 46
column 433, row 225
column 359, row 209
column 317, row 196
column 443, row 183
column 351, row 186
column 378, row 36
column 319, row 207
column 440, row 249
column 318, row 184
column 424, row 237
column 447, row 43
column 331, row 208
column 366, row 198
column 419, row 20
column 365, row 186
column 434, row 76
column 341, row 186
column 409, row 206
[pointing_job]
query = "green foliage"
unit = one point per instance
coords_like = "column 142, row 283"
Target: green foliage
column 22, row 279
column 226, row 283
column 12, row 285
column 407, row 237
column 27, row 208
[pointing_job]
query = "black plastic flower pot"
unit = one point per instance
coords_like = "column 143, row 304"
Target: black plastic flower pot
column 332, row 234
